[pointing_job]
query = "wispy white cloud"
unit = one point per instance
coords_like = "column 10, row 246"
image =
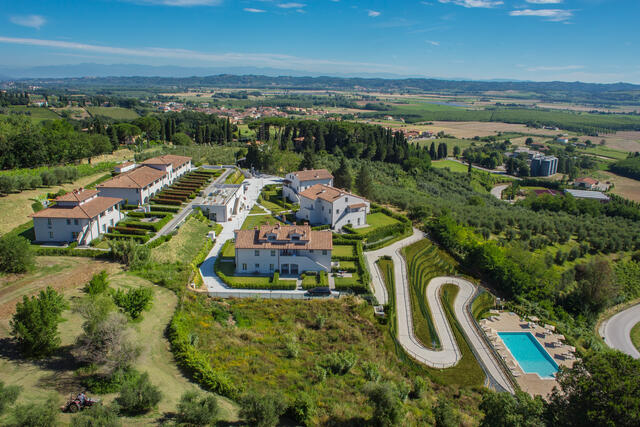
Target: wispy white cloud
column 32, row 21
column 252, row 10
column 373, row 13
column 554, row 15
column 433, row 43
column 291, row 5
column 474, row 3
column 275, row 60
column 544, row 1
column 177, row 3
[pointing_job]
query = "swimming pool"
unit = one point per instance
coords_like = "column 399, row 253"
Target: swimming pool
column 529, row 354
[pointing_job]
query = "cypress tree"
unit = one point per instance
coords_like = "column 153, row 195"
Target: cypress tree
column 364, row 182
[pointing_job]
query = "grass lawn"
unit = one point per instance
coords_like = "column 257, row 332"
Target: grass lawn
column 234, row 178
column 635, row 335
column 345, row 282
column 258, row 220
column 310, row 281
column 58, row 376
column 273, row 207
column 16, row 208
column 452, row 165
column 248, row 281
column 184, row 245
column 376, row 220
column 271, row 345
column 347, row 265
column 229, row 250
column 343, row 251
column 116, row 113
column 257, row 210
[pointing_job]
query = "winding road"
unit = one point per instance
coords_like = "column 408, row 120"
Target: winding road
column 616, row 331
column 449, row 354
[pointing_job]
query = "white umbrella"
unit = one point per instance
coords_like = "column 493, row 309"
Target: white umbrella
column 534, row 318
column 560, row 337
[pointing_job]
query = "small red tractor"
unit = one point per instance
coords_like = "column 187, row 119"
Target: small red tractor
column 77, row 403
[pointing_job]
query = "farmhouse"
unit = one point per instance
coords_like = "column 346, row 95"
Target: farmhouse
column 138, row 185
column 322, row 204
column 79, row 216
column 289, row 249
column 224, row 202
column 587, row 183
column 296, row 182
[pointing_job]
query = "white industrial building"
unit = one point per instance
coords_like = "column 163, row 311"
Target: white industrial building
column 289, row 249
column 79, row 216
column 224, row 202
column 322, row 204
column 297, row 182
column 138, row 186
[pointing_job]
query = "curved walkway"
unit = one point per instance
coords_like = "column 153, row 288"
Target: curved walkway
column 616, row 331
column 449, row 355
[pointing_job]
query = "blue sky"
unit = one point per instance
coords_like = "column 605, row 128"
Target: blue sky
column 586, row 40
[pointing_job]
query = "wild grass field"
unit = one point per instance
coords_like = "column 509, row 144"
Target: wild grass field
column 635, row 335
column 452, row 165
column 36, row 114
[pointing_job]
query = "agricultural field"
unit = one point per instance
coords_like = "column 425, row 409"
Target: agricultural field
column 623, row 186
column 75, row 113
column 115, row 113
column 36, row 114
column 289, row 347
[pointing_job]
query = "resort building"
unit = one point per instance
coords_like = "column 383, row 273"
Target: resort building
column 139, row 185
column 322, row 204
column 79, row 216
column 124, row 167
column 296, row 182
column 224, row 202
column 289, row 249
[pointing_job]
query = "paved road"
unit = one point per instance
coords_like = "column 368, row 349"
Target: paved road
column 498, row 189
column 180, row 216
column 616, row 331
column 449, row 354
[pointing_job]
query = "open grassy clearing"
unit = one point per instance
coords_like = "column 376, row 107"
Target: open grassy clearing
column 343, row 251
column 258, row 220
column 276, row 345
column 16, row 208
column 257, row 210
column 635, row 335
column 625, row 187
column 375, row 221
column 451, row 165
column 57, row 374
column 471, row 129
column 116, row 113
column 184, row 245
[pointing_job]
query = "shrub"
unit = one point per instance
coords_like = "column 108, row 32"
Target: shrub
column 7, row 184
column 302, row 408
column 339, row 363
column 97, row 415
column 37, row 415
column 8, row 396
column 15, row 254
column 197, row 409
column 129, row 252
column 134, row 301
column 261, row 410
column 419, row 387
column 445, row 415
column 138, row 395
column 98, row 283
column 387, row 407
column 35, row 323
column 371, row 372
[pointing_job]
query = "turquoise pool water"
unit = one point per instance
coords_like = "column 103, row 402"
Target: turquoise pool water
column 531, row 356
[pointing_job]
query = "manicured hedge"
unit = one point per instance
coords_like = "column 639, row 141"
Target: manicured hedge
column 140, row 239
column 159, row 208
column 166, row 201
column 152, row 226
column 127, row 230
column 129, row 207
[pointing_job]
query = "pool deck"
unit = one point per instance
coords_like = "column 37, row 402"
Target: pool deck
column 531, row 383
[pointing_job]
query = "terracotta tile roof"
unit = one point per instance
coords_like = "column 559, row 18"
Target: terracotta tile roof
column 125, row 164
column 311, row 174
column 137, row 178
column 79, row 195
column 281, row 237
column 89, row 210
column 168, row 159
column 588, row 181
column 358, row 205
column 325, row 192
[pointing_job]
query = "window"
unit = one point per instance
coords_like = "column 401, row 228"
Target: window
column 257, row 266
column 244, row 267
column 111, row 222
column 75, row 222
column 270, row 267
column 273, row 253
column 346, row 199
column 49, row 221
column 295, row 237
column 257, row 253
column 74, row 235
column 51, row 234
column 68, row 221
column 104, row 228
column 337, row 211
column 324, row 252
column 310, row 251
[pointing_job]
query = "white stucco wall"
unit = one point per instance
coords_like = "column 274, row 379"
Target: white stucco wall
column 60, row 230
column 336, row 214
column 266, row 258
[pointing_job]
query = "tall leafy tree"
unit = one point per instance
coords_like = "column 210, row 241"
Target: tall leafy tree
column 15, row 254
column 342, row 176
column 507, row 410
column 35, row 323
column 364, row 182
